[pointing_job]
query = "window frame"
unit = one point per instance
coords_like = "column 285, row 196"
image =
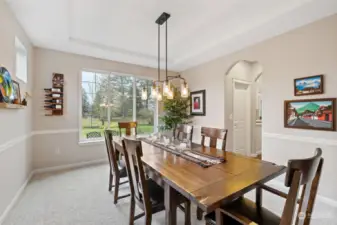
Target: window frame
column 84, row 142
column 20, row 49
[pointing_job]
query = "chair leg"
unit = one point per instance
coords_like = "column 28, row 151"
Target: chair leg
column 132, row 212
column 116, row 188
column 199, row 214
column 188, row 213
column 148, row 218
column 110, row 180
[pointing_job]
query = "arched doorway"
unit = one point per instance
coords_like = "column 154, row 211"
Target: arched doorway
column 243, row 107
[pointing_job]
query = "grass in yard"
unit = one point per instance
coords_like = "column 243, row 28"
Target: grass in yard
column 97, row 126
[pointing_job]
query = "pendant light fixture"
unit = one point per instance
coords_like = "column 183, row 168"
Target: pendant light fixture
column 167, row 89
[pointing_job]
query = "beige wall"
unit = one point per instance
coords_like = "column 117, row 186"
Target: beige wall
column 56, row 138
column 306, row 51
column 16, row 125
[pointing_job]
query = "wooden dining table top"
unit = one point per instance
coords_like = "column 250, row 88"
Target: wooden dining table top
column 209, row 187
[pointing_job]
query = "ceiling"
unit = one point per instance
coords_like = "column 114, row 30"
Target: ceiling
column 125, row 30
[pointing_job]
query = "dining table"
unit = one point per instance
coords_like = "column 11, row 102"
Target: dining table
column 207, row 187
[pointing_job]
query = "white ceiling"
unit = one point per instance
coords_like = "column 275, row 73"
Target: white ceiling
column 125, row 30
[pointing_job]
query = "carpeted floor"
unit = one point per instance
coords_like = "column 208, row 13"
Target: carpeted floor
column 76, row 197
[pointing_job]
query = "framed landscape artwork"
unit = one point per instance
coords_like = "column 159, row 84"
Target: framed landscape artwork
column 314, row 114
column 309, row 85
column 198, row 103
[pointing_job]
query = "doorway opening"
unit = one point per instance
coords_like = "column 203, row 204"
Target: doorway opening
column 243, row 107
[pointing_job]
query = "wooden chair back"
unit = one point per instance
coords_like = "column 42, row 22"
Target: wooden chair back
column 113, row 156
column 127, row 126
column 304, row 172
column 184, row 131
column 214, row 134
column 138, row 182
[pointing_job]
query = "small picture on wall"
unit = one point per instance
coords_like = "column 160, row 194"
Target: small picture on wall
column 198, row 103
column 314, row 114
column 309, row 85
column 16, row 93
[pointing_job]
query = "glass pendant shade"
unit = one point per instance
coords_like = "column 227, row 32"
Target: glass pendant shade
column 184, row 90
column 166, row 88
column 159, row 95
column 170, row 94
column 154, row 91
column 144, row 94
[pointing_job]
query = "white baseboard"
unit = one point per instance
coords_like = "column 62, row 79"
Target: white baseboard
column 45, row 170
column 70, row 166
column 16, row 198
column 256, row 154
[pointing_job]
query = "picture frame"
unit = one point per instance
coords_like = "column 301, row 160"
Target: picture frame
column 312, row 114
column 198, row 103
column 16, row 93
column 312, row 85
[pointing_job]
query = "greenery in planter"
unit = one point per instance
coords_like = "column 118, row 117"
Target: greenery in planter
column 176, row 111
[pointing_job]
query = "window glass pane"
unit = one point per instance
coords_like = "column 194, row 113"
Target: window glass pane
column 21, row 61
column 120, row 99
column 94, row 113
column 109, row 98
column 145, row 109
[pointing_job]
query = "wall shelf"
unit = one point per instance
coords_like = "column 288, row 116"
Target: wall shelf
column 54, row 101
column 11, row 106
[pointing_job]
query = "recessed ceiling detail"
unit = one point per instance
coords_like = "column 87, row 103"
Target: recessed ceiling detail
column 199, row 30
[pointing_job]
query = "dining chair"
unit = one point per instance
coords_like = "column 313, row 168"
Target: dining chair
column 127, row 126
column 214, row 134
column 300, row 172
column 145, row 192
column 183, row 131
column 117, row 166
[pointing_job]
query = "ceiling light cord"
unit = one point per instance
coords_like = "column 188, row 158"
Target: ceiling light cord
column 158, row 51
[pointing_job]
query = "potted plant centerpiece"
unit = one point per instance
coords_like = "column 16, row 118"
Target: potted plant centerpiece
column 176, row 111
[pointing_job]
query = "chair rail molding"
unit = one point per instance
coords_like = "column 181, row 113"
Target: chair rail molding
column 306, row 139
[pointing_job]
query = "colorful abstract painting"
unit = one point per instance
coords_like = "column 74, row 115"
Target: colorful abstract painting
column 316, row 114
column 6, row 86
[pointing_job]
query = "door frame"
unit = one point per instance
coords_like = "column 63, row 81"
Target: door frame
column 249, row 123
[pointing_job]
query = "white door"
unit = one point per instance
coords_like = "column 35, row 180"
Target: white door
column 241, row 117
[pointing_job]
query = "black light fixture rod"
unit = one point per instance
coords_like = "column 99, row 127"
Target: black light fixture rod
column 166, row 49
column 158, row 52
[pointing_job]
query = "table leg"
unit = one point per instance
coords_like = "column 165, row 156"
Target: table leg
column 170, row 205
column 258, row 198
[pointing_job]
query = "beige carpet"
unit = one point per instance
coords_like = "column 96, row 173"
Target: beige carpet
column 76, row 197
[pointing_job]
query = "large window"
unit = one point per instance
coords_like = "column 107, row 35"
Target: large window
column 109, row 98
column 21, row 61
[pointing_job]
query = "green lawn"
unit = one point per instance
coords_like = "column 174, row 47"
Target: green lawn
column 95, row 125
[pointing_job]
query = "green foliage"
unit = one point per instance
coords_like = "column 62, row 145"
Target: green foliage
column 176, row 111
column 85, row 102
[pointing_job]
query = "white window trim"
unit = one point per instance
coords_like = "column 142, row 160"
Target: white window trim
column 99, row 141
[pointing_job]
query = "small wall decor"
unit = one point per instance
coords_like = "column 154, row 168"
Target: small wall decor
column 198, row 103
column 16, row 93
column 6, row 86
column 313, row 114
column 53, row 102
column 309, row 85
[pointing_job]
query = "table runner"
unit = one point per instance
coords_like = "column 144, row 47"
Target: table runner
column 199, row 158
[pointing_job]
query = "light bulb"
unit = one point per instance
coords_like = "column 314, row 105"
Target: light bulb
column 154, row 91
column 184, row 90
column 170, row 94
column 159, row 96
column 144, row 94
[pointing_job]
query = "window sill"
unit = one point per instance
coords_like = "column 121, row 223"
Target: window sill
column 91, row 142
